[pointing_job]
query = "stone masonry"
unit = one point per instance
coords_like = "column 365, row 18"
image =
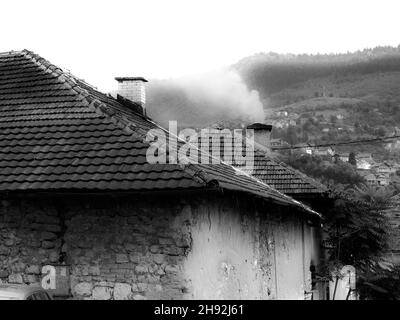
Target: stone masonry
column 121, row 249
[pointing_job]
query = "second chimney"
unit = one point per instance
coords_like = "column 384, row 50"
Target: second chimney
column 262, row 135
column 133, row 89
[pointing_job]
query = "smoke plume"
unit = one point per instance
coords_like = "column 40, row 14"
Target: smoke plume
column 202, row 100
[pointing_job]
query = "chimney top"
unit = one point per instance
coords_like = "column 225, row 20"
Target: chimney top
column 258, row 126
column 120, row 79
column 262, row 133
column 132, row 92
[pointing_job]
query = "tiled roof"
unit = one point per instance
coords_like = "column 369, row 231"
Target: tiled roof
column 285, row 178
column 266, row 167
column 59, row 133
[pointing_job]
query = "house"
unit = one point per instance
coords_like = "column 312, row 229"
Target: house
column 383, row 179
column 364, row 164
column 77, row 192
column 324, row 152
column 371, row 179
column 344, row 156
column 384, row 168
column 304, row 148
column 279, row 143
column 280, row 123
column 364, row 156
column 282, row 113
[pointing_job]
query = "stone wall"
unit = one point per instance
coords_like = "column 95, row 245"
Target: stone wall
column 127, row 251
column 116, row 249
column 138, row 248
column 29, row 238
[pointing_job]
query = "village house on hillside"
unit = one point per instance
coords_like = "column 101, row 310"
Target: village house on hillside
column 76, row 191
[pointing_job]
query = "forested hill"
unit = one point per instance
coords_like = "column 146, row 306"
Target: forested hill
column 284, row 79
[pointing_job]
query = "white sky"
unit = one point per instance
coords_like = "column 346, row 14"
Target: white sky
column 98, row 40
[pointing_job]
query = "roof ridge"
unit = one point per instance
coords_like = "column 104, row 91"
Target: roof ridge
column 4, row 53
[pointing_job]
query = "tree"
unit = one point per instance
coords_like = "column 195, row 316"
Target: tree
column 291, row 135
column 358, row 234
column 352, row 159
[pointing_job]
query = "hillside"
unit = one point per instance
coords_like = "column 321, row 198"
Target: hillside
column 278, row 77
column 329, row 98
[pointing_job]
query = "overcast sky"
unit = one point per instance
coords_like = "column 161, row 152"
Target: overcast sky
column 98, row 40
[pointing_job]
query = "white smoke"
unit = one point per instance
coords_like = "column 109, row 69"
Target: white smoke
column 227, row 89
column 208, row 97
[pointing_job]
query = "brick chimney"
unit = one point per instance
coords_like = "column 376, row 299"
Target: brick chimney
column 132, row 89
column 262, row 135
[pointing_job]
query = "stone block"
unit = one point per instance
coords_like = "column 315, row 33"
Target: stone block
column 31, row 278
column 4, row 274
column 135, row 257
column 4, row 250
column 9, row 242
column 15, row 278
column 122, row 291
column 94, row 270
column 102, row 293
column 121, row 258
column 18, row 267
column 46, row 235
column 33, row 269
column 54, row 256
column 141, row 269
column 83, row 289
column 158, row 258
column 48, row 244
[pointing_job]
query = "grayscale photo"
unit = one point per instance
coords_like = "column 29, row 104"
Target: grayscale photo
column 199, row 154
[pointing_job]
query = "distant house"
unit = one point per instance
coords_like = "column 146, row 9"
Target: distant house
column 384, row 168
column 364, row 156
column 279, row 143
column 303, row 120
column 371, row 179
column 280, row 123
column 343, row 156
column 304, row 148
column 363, row 164
column 324, row 151
column 363, row 172
column 365, row 160
column 382, row 179
column 282, row 113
